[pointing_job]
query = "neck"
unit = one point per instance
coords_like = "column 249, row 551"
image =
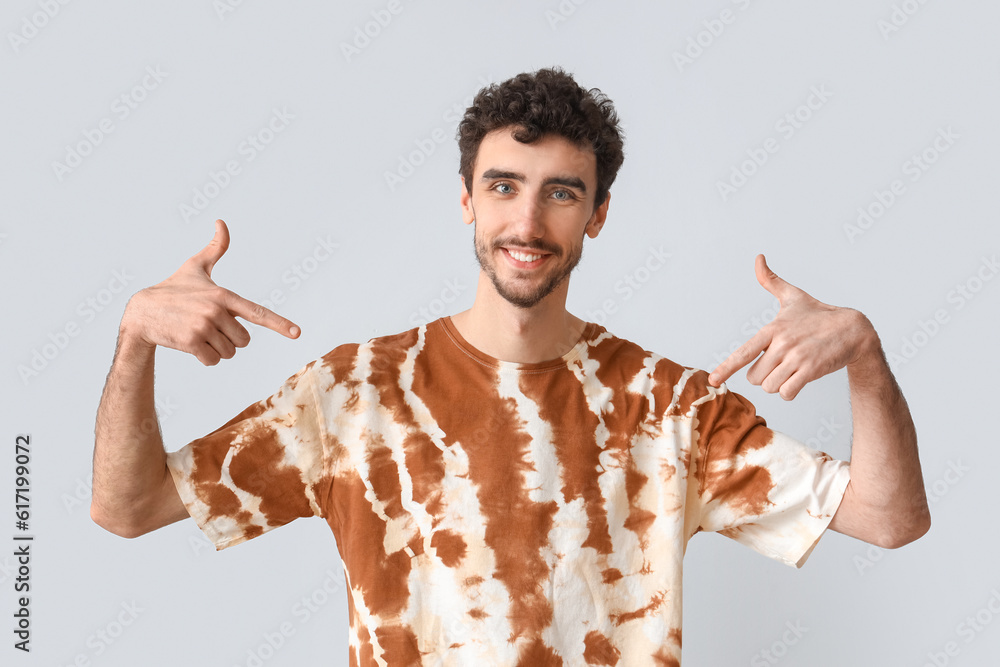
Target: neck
column 519, row 335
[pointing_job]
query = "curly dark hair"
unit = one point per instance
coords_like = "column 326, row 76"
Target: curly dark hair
column 545, row 102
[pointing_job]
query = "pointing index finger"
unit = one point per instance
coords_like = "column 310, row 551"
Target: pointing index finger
column 258, row 314
column 743, row 355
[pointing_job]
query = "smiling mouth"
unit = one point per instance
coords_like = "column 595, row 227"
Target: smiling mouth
column 523, row 256
column 522, row 259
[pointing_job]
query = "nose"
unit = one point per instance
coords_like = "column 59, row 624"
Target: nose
column 529, row 222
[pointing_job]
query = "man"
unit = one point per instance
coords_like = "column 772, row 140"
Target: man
column 512, row 485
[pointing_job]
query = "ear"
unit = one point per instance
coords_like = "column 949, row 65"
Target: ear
column 596, row 222
column 468, row 213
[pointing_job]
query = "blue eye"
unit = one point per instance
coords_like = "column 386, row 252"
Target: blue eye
column 566, row 195
column 498, row 187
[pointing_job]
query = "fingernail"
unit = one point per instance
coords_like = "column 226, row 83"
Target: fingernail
column 294, row 330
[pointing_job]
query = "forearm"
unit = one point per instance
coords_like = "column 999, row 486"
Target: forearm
column 887, row 485
column 129, row 459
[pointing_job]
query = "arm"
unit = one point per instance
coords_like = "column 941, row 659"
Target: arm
column 133, row 491
column 885, row 503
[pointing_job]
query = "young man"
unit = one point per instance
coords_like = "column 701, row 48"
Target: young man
column 512, row 485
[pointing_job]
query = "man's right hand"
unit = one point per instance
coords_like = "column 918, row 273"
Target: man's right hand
column 190, row 313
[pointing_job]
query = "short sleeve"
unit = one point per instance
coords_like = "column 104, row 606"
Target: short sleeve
column 260, row 470
column 761, row 487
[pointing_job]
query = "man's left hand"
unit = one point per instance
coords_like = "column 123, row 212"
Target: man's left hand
column 807, row 340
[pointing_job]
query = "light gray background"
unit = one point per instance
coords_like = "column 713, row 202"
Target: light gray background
column 323, row 176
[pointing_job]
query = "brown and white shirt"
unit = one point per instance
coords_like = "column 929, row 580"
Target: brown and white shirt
column 493, row 513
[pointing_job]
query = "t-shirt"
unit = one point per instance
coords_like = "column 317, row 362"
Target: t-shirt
column 496, row 513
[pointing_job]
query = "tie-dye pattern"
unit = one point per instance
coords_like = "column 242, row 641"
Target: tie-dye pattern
column 492, row 513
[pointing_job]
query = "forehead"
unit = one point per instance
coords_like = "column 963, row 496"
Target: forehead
column 551, row 155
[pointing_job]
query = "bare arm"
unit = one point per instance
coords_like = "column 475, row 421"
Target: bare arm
column 133, row 491
column 885, row 503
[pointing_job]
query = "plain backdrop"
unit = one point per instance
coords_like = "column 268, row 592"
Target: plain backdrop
column 854, row 143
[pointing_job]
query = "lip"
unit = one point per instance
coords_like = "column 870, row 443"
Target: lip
column 527, row 251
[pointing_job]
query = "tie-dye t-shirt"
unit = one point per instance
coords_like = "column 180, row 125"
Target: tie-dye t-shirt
column 495, row 513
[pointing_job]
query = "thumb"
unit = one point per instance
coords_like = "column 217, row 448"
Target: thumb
column 770, row 281
column 216, row 248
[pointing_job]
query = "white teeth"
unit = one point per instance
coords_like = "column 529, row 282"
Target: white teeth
column 522, row 257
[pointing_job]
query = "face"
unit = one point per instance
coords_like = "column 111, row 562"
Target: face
column 532, row 204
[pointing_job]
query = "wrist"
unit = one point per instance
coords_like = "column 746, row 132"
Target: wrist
column 869, row 359
column 130, row 333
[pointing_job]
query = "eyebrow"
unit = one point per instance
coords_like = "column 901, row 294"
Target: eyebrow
column 568, row 181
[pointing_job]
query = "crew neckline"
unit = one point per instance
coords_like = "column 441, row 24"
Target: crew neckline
column 590, row 331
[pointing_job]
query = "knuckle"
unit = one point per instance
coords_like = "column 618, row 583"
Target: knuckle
column 201, row 329
column 258, row 312
column 191, row 338
column 215, row 310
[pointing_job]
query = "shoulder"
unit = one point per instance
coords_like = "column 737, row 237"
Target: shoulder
column 671, row 382
column 341, row 361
